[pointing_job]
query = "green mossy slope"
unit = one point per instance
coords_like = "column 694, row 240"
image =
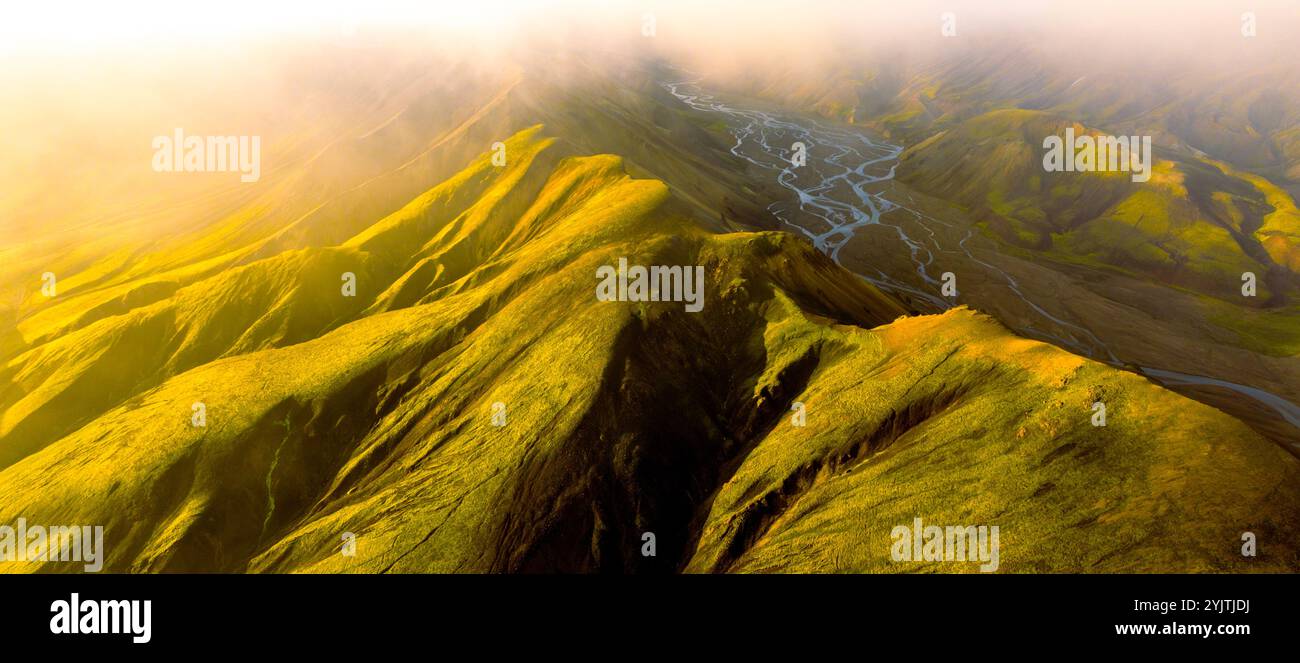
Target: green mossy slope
column 327, row 417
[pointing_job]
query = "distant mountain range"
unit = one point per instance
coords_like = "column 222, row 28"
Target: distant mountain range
column 474, row 407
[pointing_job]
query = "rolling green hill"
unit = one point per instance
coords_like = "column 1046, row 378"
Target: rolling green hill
column 373, row 415
column 1195, row 223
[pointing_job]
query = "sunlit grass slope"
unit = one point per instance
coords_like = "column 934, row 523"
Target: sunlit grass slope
column 373, row 415
column 287, row 298
column 956, row 423
column 1192, row 224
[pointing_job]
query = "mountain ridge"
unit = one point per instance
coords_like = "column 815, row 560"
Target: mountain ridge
column 626, row 418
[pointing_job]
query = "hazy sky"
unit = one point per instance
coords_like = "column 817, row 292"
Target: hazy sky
column 740, row 26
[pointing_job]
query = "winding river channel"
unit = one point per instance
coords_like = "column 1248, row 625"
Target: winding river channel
column 843, row 189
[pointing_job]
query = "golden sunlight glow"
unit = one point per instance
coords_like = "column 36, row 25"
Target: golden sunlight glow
column 60, row 24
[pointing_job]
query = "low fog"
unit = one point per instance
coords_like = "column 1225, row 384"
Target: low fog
column 81, row 80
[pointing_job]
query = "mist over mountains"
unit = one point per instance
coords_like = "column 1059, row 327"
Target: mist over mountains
column 396, row 333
